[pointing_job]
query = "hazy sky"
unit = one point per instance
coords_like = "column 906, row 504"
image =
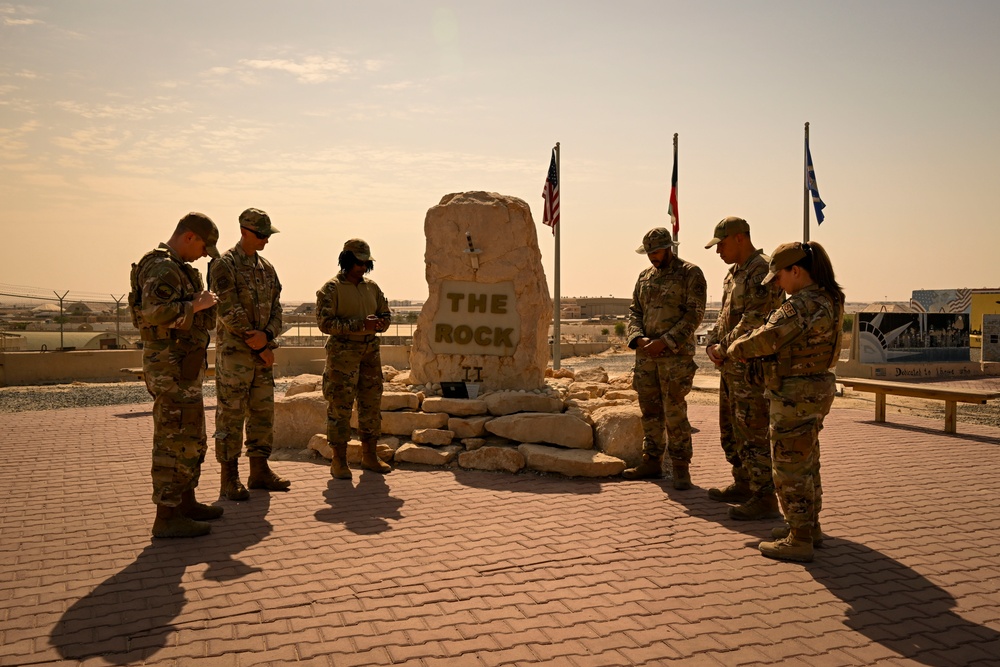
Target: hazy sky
column 345, row 119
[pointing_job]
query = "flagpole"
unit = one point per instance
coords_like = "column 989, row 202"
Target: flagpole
column 556, row 334
column 805, row 187
column 676, row 195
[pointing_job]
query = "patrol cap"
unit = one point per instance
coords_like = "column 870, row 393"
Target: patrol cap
column 783, row 257
column 655, row 239
column 202, row 225
column 728, row 227
column 359, row 249
column 256, row 220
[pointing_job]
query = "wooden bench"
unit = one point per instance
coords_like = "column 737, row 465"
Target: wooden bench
column 951, row 397
column 140, row 374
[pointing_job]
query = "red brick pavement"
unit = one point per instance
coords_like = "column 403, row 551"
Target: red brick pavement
column 434, row 568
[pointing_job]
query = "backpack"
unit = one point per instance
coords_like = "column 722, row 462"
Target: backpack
column 135, row 295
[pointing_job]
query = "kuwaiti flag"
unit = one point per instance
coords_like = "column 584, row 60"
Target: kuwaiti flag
column 675, row 220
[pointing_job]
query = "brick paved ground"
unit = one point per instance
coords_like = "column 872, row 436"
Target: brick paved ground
column 451, row 567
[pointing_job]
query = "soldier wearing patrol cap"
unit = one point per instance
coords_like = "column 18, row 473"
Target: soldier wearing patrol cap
column 743, row 407
column 668, row 304
column 249, row 322
column 792, row 354
column 352, row 309
column 174, row 314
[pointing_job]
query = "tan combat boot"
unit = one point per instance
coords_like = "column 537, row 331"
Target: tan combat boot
column 760, row 506
column 262, row 477
column 737, row 492
column 170, row 522
column 681, row 475
column 817, row 534
column 192, row 509
column 797, row 546
column 232, row 487
column 339, row 468
column 370, row 459
column 650, row 468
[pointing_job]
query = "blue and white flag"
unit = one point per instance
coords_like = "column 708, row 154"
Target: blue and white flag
column 818, row 204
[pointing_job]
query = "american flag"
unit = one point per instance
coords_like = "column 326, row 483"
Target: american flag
column 550, row 194
column 675, row 219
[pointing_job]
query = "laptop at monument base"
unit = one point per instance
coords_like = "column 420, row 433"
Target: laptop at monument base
column 454, row 390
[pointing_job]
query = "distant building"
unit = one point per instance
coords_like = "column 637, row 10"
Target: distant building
column 586, row 307
column 88, row 308
column 41, row 341
column 887, row 307
column 983, row 302
column 12, row 342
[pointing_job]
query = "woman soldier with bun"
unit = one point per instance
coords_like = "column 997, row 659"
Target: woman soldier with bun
column 793, row 353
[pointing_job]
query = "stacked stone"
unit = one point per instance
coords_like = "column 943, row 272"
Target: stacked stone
column 551, row 430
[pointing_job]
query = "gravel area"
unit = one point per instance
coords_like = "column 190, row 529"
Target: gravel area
column 87, row 395
column 614, row 361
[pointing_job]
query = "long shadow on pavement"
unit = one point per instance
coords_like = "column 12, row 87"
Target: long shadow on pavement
column 530, row 482
column 900, row 609
column 128, row 617
column 971, row 437
column 363, row 509
column 890, row 603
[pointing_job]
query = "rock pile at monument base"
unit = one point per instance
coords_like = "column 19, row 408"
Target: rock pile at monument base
column 583, row 425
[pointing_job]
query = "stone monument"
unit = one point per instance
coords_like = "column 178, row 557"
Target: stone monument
column 486, row 319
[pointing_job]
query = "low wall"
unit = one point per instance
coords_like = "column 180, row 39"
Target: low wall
column 567, row 350
column 32, row 368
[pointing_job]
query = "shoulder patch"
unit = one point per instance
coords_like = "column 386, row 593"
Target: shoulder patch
column 164, row 291
column 781, row 312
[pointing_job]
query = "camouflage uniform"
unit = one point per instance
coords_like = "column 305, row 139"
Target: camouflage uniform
column 743, row 407
column 353, row 363
column 667, row 303
column 799, row 343
column 175, row 340
column 249, row 291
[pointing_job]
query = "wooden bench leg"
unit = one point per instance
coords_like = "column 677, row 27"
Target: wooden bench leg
column 880, row 406
column 950, row 417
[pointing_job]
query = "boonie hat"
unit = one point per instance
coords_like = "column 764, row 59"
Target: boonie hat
column 728, row 227
column 202, row 225
column 359, row 249
column 256, row 220
column 655, row 239
column 783, row 257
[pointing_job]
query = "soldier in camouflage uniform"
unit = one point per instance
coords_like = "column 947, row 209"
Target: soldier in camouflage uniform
column 352, row 309
column 174, row 315
column 794, row 352
column 743, row 407
column 668, row 304
column 249, row 321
